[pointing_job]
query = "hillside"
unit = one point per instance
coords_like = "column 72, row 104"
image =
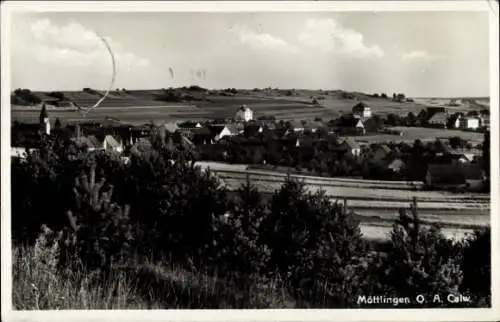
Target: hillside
column 196, row 103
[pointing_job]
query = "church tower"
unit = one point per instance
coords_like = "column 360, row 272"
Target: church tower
column 44, row 121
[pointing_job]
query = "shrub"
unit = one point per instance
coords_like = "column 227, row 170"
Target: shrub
column 99, row 234
column 175, row 204
column 314, row 245
column 419, row 261
column 476, row 266
column 241, row 247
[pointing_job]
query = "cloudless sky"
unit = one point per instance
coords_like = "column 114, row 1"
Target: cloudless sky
column 419, row 53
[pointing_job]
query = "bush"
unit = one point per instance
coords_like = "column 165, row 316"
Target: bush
column 99, row 233
column 476, row 266
column 24, row 97
column 314, row 244
column 241, row 247
column 419, row 261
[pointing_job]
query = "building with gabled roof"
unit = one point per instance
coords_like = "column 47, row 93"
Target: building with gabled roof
column 111, row 143
column 361, row 110
column 452, row 176
column 244, row 113
column 439, row 119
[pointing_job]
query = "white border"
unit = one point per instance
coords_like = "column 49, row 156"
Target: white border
column 249, row 315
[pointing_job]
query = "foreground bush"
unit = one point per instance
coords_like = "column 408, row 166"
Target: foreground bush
column 314, row 245
column 419, row 261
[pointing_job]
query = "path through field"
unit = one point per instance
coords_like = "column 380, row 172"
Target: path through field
column 376, row 202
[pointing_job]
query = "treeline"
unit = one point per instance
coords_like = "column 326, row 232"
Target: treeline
column 109, row 216
column 325, row 155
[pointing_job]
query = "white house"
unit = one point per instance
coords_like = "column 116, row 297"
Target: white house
column 111, row 144
column 470, row 122
column 352, row 146
column 396, row 165
column 244, row 113
column 362, row 110
column 220, row 131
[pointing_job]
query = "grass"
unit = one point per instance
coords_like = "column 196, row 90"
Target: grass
column 38, row 285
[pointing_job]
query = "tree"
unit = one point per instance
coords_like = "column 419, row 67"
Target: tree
column 476, row 266
column 241, row 247
column 314, row 244
column 412, row 119
column 99, row 233
column 486, row 153
column 419, row 261
column 57, row 124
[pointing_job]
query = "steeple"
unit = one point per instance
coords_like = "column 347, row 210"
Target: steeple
column 44, row 120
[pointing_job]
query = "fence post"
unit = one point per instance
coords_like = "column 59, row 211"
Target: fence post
column 345, row 207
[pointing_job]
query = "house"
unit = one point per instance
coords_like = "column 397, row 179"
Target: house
column 44, row 121
column 361, row 110
column 219, row 131
column 439, row 120
column 470, row 122
column 351, row 146
column 485, row 120
column 397, row 165
column 171, row 127
column 190, row 125
column 244, row 113
column 433, row 110
column 467, row 154
column 111, row 143
column 454, row 121
column 468, row 176
column 313, row 126
column 350, row 126
column 451, row 158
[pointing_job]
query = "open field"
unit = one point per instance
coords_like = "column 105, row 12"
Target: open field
column 410, row 134
column 376, row 202
column 131, row 105
column 458, row 104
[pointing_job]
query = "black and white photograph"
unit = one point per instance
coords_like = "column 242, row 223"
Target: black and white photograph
column 289, row 157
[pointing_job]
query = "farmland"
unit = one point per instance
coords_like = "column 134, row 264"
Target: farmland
column 143, row 105
column 375, row 202
column 410, row 134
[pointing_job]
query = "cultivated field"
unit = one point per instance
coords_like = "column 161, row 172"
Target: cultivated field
column 142, row 105
column 410, row 134
column 376, row 202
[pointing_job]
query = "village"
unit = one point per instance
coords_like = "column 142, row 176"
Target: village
column 331, row 148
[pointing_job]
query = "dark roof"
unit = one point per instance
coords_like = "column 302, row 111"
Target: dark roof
column 216, row 128
column 440, row 117
column 112, row 141
column 448, row 158
column 454, row 173
column 359, row 107
column 92, row 139
column 188, row 125
column 348, row 121
column 350, row 143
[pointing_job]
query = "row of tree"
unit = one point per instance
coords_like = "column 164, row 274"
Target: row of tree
column 160, row 206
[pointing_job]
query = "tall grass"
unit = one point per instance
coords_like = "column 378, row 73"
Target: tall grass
column 39, row 284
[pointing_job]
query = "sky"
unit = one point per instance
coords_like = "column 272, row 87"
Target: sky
column 422, row 54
